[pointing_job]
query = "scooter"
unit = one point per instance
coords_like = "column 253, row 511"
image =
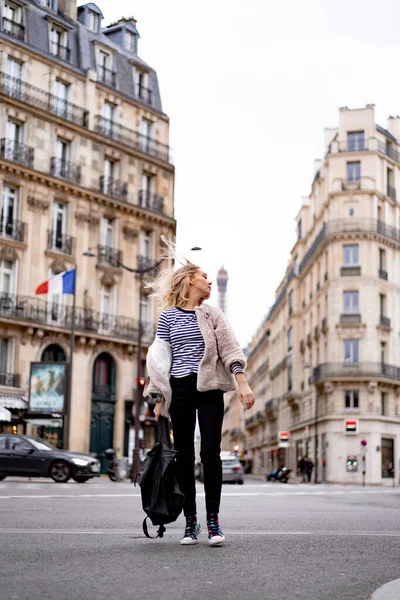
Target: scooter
column 281, row 474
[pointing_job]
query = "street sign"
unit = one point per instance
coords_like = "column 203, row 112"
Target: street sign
column 351, row 426
column 284, row 438
column 363, row 443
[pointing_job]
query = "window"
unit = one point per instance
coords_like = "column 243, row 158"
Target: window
column 57, row 311
column 146, row 245
column 14, row 78
column 14, row 132
column 382, row 259
column 384, row 404
column 9, row 210
column 14, row 68
column 130, row 41
column 382, row 305
column 6, row 356
column 53, row 353
column 290, row 302
column 351, row 351
column 387, row 457
column 353, row 171
column 109, row 111
column 290, row 338
column 383, row 353
column 290, row 373
column 59, row 227
column 58, row 42
column 146, row 128
column 110, row 176
column 107, row 232
column 12, row 19
column 93, row 21
column 107, row 307
column 350, row 255
column 351, row 399
column 142, row 85
column 61, row 166
column 61, row 94
column 7, row 278
column 355, row 141
column 49, row 3
column 104, row 68
column 299, row 232
column 350, row 302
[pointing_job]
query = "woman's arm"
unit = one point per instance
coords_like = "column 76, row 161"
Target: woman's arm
column 246, row 396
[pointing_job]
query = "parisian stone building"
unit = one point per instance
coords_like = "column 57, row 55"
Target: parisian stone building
column 324, row 364
column 86, row 181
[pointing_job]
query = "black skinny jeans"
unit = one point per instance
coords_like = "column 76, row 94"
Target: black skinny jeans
column 210, row 407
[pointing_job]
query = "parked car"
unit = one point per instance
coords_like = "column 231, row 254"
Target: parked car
column 232, row 470
column 25, row 456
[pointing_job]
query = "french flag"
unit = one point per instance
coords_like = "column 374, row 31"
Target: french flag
column 63, row 283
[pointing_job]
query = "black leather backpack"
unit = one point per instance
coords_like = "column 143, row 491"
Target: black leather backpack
column 162, row 500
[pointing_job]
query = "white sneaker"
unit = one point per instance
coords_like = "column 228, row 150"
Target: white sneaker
column 215, row 535
column 192, row 530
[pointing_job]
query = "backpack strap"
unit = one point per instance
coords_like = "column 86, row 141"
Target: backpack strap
column 160, row 532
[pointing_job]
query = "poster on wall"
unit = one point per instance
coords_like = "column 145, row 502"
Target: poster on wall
column 47, row 387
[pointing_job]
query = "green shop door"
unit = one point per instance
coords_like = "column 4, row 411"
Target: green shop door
column 103, row 408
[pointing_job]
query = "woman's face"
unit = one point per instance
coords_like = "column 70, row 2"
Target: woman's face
column 200, row 283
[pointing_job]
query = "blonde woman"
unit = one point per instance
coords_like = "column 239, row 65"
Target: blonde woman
column 193, row 360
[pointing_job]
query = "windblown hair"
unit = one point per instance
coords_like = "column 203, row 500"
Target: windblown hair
column 171, row 287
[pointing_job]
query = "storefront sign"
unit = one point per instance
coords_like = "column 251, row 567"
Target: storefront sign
column 47, row 387
column 351, row 426
column 284, row 438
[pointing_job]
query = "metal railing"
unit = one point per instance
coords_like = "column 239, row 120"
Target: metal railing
column 18, row 89
column 64, row 169
column 145, row 262
column 107, row 76
column 384, row 321
column 60, row 242
column 109, row 255
column 131, row 138
column 14, row 28
column 62, row 52
column 10, row 379
column 33, row 310
column 17, row 152
column 13, row 230
column 391, row 192
column 332, row 370
column 114, row 187
column 389, row 151
column 144, row 94
column 350, row 318
column 357, row 145
column 151, row 201
column 383, row 274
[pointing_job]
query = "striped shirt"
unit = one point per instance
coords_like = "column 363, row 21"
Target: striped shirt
column 180, row 328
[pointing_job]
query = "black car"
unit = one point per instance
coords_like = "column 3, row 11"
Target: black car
column 25, row 456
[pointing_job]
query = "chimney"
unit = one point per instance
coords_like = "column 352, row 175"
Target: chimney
column 393, row 126
column 68, row 8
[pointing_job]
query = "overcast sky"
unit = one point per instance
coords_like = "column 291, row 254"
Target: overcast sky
column 249, row 87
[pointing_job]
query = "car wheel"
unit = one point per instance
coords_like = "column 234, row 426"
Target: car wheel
column 240, row 482
column 60, row 471
column 2, row 477
column 80, row 479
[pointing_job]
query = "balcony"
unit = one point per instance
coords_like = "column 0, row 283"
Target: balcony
column 10, row 379
column 64, row 169
column 60, row 242
column 391, row 192
column 349, row 185
column 145, row 95
column 15, row 88
column 350, row 319
column 384, row 322
column 114, row 187
column 389, row 151
column 131, row 138
column 145, row 262
column 355, row 370
column 106, row 76
column 151, row 201
column 358, row 145
column 13, row 230
column 14, row 28
column 61, row 52
column 34, row 311
column 383, row 274
column 350, row 271
column 19, row 153
column 324, row 325
column 110, row 256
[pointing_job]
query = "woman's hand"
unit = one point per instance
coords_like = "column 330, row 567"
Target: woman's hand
column 156, row 410
column 246, row 396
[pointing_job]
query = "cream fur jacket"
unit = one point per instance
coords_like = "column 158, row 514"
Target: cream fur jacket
column 221, row 350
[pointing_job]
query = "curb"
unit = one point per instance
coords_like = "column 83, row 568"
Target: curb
column 389, row 591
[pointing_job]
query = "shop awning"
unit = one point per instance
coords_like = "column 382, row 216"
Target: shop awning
column 45, row 422
column 5, row 414
column 13, row 402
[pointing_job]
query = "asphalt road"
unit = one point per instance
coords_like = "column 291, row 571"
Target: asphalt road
column 84, row 542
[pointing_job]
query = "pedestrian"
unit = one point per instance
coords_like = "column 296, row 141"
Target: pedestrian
column 193, row 360
column 310, row 466
column 303, row 462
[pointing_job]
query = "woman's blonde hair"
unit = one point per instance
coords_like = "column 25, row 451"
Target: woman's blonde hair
column 171, row 287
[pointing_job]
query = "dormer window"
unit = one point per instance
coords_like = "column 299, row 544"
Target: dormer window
column 93, row 21
column 105, row 71
column 130, row 41
column 59, row 42
column 49, row 4
column 142, row 85
column 12, row 20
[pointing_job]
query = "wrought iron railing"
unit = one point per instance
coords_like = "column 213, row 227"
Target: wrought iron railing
column 332, row 370
column 18, row 89
column 60, row 242
column 33, row 310
column 62, row 52
column 10, row 379
column 383, row 274
column 109, row 255
column 389, row 151
column 131, row 138
column 64, row 169
column 17, row 152
column 384, row 321
column 391, row 192
column 114, row 187
column 13, row 229
column 107, row 76
column 151, row 201
column 145, row 262
column 14, row 28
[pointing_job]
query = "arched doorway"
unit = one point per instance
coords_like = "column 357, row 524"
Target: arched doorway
column 53, row 353
column 103, row 406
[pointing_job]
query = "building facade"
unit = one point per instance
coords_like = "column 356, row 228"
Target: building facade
column 86, row 181
column 324, row 364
